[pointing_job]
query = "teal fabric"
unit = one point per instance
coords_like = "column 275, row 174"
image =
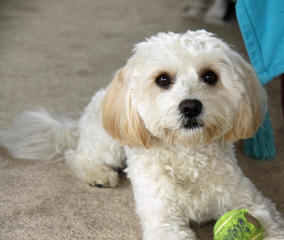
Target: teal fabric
column 262, row 26
column 261, row 146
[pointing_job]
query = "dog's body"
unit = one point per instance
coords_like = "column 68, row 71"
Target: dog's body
column 171, row 114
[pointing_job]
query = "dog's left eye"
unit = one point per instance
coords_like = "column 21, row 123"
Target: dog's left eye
column 164, row 80
column 209, row 77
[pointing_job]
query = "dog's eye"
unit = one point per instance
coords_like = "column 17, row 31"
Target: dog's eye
column 209, row 77
column 164, row 80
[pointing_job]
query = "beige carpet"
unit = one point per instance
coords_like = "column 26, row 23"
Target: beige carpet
column 56, row 54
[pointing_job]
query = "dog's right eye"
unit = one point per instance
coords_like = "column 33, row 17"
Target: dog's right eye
column 209, row 77
column 164, row 81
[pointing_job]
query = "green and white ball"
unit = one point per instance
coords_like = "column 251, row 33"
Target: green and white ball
column 238, row 225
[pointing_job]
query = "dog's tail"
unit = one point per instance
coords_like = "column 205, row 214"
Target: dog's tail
column 38, row 135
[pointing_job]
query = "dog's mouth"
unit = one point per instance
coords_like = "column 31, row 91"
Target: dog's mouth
column 191, row 123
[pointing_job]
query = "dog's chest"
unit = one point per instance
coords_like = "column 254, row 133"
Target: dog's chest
column 185, row 169
column 196, row 180
column 190, row 180
column 189, row 168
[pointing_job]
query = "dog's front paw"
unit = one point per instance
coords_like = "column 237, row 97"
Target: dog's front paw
column 102, row 176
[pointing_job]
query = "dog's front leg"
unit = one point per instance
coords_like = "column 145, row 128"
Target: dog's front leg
column 161, row 217
column 247, row 196
column 167, row 231
column 97, row 157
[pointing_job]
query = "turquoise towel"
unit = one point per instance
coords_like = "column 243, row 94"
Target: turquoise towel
column 262, row 26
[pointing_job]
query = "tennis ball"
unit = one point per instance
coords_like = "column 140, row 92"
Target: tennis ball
column 238, row 224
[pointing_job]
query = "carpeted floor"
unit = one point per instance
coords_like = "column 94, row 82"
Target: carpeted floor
column 56, row 54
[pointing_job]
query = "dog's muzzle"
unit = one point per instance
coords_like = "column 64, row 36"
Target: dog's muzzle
column 190, row 110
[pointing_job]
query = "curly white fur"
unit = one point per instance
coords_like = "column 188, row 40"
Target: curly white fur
column 178, row 174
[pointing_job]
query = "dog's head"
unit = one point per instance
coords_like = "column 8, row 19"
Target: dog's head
column 183, row 89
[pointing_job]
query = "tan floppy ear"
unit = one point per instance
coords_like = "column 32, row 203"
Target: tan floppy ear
column 252, row 107
column 119, row 118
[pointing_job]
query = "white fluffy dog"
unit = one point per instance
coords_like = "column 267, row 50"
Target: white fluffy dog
column 175, row 107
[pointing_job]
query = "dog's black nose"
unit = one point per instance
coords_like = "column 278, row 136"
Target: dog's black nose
column 190, row 108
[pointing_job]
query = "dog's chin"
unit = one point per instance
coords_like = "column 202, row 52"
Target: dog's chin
column 191, row 124
column 191, row 133
column 193, row 136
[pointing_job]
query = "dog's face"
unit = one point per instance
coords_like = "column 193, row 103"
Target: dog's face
column 183, row 89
